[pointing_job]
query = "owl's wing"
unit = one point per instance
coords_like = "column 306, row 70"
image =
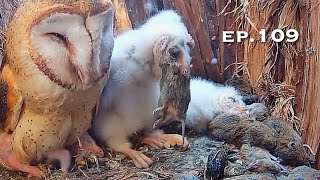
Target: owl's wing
column 11, row 101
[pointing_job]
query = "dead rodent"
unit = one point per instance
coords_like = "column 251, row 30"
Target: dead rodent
column 304, row 173
column 174, row 97
column 245, row 88
column 226, row 127
column 258, row 111
column 260, row 160
column 234, row 129
column 235, row 165
column 260, row 135
column 290, row 147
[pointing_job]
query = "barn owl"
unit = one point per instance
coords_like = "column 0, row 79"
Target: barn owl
column 133, row 90
column 209, row 100
column 57, row 63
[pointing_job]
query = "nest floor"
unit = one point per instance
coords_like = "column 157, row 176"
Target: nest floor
column 167, row 162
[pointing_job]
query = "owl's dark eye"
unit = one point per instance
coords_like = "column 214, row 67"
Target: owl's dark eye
column 232, row 99
column 58, row 37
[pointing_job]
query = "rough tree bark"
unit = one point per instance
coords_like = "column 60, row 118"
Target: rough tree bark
column 287, row 73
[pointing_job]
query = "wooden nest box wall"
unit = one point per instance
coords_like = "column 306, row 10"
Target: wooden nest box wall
column 286, row 75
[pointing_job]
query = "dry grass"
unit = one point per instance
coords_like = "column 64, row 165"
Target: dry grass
column 276, row 82
column 279, row 98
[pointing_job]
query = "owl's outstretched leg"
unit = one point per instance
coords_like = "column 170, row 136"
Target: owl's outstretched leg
column 14, row 163
column 11, row 160
column 87, row 145
column 86, row 149
column 139, row 159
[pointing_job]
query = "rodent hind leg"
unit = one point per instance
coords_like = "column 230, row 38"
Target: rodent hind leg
column 160, row 111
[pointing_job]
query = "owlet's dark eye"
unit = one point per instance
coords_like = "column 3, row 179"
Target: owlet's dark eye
column 232, row 99
column 58, row 37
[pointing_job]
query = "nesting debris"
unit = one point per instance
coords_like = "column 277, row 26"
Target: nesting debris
column 280, row 99
column 183, row 177
column 115, row 166
column 216, row 162
column 304, row 173
column 235, row 166
column 253, row 177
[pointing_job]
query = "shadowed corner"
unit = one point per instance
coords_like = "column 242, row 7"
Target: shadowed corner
column 3, row 101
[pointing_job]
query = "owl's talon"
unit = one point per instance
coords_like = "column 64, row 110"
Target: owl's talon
column 12, row 161
column 173, row 140
column 35, row 172
column 139, row 159
column 153, row 142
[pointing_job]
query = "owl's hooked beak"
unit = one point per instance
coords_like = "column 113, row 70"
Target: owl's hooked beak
column 83, row 73
column 84, row 77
